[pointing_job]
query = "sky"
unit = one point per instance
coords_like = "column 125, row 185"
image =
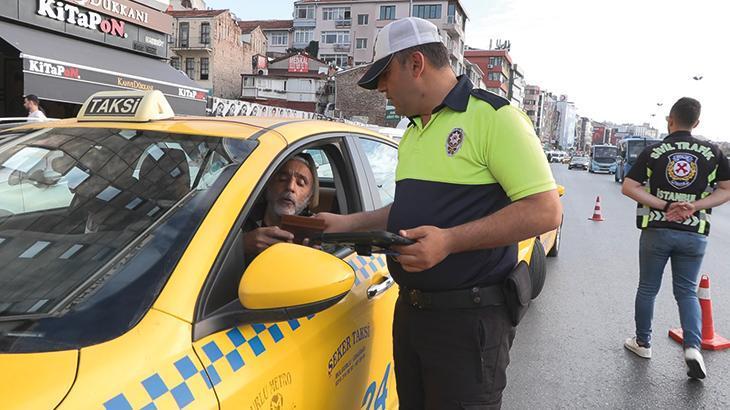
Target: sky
column 615, row 59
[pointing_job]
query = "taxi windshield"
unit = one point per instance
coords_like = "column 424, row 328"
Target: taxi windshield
column 75, row 203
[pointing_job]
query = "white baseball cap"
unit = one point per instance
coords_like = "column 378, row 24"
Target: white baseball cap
column 397, row 36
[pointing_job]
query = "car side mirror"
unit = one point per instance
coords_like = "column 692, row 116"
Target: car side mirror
column 296, row 278
column 15, row 178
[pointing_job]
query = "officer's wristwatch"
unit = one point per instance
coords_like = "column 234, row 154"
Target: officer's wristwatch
column 666, row 207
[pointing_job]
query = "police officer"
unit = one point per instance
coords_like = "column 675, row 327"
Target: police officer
column 471, row 181
column 685, row 178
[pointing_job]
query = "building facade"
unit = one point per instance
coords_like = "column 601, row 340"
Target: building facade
column 358, row 104
column 279, row 35
column 65, row 51
column 186, row 4
column 206, row 45
column 346, row 29
column 567, row 122
column 497, row 68
column 475, row 74
column 255, row 46
column 298, row 82
column 604, row 133
column 532, row 105
column 517, row 87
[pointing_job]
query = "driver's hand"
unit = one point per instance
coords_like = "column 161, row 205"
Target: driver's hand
column 257, row 240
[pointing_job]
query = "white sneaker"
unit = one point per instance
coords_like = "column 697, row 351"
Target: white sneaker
column 640, row 351
column 695, row 363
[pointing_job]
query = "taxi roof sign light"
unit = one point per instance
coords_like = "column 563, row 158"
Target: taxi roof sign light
column 126, row 106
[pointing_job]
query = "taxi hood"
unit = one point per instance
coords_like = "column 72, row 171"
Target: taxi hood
column 36, row 380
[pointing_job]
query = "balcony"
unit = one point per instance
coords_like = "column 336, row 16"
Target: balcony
column 182, row 45
column 343, row 47
column 297, row 44
column 344, row 23
column 304, row 23
column 454, row 26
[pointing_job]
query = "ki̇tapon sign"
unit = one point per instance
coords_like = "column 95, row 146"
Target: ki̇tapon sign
column 63, row 11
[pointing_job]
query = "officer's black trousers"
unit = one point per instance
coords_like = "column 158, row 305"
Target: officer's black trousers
column 451, row 359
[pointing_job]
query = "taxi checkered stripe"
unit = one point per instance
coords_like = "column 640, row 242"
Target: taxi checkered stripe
column 229, row 353
column 175, row 389
column 365, row 267
column 166, row 389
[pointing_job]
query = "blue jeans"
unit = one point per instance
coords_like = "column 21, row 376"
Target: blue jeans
column 686, row 250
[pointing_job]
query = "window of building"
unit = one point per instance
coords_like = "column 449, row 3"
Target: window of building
column 340, row 60
column 362, row 19
column 204, row 68
column 279, row 38
column 305, row 12
column 427, row 11
column 175, row 62
column 336, row 37
column 387, row 12
column 190, row 67
column 303, row 36
column 336, row 13
column 495, row 76
column 183, row 34
column 205, row 33
column 495, row 61
column 361, row 43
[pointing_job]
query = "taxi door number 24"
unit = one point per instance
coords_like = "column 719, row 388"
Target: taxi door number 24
column 379, row 399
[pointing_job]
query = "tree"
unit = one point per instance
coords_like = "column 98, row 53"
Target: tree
column 313, row 48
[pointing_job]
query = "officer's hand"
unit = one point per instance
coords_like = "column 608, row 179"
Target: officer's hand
column 333, row 222
column 259, row 239
column 431, row 247
column 680, row 211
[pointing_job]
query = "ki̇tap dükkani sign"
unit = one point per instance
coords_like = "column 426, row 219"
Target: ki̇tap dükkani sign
column 71, row 14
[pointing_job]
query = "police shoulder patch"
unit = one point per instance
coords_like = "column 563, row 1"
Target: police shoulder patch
column 492, row 99
column 454, row 141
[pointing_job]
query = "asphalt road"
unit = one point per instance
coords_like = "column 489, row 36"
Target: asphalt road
column 569, row 352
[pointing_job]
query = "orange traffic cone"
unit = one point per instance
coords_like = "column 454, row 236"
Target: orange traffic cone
column 597, row 211
column 710, row 341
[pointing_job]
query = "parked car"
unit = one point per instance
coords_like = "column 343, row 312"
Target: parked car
column 125, row 284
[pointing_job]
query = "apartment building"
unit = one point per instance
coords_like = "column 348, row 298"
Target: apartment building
column 279, row 34
column 206, row 45
column 297, row 81
column 497, row 68
column 346, row 30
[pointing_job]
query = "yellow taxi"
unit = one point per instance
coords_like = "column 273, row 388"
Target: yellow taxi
column 124, row 283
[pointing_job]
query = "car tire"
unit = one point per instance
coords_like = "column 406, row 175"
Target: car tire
column 537, row 268
column 556, row 246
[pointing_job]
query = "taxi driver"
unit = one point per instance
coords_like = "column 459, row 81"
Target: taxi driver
column 292, row 190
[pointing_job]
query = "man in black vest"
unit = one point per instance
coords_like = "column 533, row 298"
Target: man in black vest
column 685, row 177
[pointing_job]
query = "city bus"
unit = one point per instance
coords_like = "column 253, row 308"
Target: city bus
column 629, row 149
column 603, row 159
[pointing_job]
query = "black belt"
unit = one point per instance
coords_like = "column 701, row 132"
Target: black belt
column 454, row 299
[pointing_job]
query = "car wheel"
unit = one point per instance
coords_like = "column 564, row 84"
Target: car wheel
column 556, row 246
column 537, row 268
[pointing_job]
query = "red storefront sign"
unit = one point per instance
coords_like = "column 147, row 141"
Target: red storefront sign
column 299, row 64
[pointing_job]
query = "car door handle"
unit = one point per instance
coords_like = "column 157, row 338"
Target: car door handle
column 381, row 287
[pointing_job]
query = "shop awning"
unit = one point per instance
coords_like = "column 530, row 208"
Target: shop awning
column 62, row 69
